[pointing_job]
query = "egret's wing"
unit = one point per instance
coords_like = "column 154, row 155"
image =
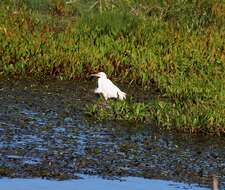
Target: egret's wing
column 122, row 95
column 109, row 88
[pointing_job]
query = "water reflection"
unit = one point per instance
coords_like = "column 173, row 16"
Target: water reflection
column 95, row 183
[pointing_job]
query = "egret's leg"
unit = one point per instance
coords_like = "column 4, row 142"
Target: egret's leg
column 105, row 103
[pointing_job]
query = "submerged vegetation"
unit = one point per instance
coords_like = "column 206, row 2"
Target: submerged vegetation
column 176, row 47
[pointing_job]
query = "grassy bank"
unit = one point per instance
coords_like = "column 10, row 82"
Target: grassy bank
column 177, row 48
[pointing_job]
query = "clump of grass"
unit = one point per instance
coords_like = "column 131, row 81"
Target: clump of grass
column 176, row 46
column 177, row 116
column 118, row 110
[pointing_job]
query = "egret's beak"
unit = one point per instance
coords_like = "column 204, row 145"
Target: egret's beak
column 95, row 75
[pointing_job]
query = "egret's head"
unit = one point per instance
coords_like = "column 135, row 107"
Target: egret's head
column 100, row 75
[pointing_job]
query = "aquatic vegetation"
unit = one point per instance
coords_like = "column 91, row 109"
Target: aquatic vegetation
column 176, row 47
column 178, row 116
column 119, row 110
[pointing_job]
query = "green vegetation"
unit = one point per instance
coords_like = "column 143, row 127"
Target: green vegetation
column 170, row 115
column 176, row 46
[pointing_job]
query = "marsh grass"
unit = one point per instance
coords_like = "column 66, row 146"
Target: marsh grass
column 179, row 116
column 176, row 46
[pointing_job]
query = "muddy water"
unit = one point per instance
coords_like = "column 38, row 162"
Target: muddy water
column 44, row 133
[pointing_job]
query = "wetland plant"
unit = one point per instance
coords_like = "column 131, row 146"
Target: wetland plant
column 176, row 46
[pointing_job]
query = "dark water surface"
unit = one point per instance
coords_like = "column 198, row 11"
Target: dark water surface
column 44, row 133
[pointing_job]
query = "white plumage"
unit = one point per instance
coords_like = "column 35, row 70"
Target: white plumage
column 107, row 88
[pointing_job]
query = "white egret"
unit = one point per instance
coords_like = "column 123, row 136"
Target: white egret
column 107, row 88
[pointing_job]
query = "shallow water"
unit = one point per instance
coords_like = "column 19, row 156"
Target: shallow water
column 95, row 183
column 44, row 133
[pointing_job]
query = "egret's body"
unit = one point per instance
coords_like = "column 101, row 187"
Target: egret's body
column 107, row 88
